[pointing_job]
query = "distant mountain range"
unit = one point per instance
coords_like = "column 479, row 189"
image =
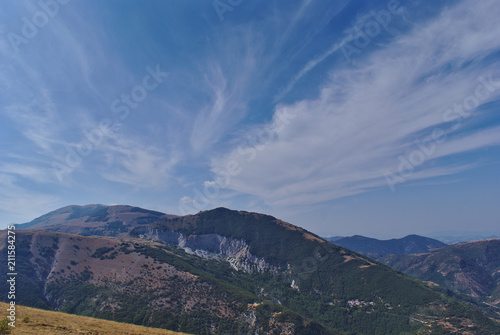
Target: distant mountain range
column 333, row 238
column 219, row 272
column 376, row 249
column 470, row 270
column 452, row 237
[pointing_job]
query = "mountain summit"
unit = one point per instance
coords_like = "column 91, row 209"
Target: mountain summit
column 95, row 220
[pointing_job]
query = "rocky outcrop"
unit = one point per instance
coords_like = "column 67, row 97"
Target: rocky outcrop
column 211, row 246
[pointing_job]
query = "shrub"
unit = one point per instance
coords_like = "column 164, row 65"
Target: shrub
column 4, row 327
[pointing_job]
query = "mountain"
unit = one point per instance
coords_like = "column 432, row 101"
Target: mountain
column 376, row 249
column 452, row 237
column 223, row 271
column 95, row 220
column 142, row 283
column 469, row 270
column 41, row 322
column 333, row 238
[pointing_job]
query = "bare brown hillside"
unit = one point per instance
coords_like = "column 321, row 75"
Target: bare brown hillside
column 96, row 220
column 40, row 322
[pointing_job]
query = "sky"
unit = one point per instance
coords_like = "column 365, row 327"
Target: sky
column 343, row 117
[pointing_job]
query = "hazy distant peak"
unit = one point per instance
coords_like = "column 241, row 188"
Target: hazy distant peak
column 375, row 248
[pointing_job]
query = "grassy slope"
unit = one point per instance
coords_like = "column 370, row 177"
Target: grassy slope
column 47, row 322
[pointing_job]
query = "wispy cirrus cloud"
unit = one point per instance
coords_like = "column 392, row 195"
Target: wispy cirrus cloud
column 19, row 202
column 345, row 141
column 131, row 161
column 224, row 77
column 226, row 106
column 246, row 62
column 54, row 101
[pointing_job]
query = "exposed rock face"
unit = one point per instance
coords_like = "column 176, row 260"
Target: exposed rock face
column 107, row 278
column 212, row 246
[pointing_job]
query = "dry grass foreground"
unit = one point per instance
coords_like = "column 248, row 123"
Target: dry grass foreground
column 40, row 322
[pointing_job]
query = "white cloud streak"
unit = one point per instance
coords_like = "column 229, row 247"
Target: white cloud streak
column 343, row 142
column 131, row 161
column 17, row 203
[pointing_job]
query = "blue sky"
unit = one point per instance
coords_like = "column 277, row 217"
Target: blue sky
column 344, row 117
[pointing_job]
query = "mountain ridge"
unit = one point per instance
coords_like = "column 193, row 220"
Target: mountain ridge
column 95, row 219
column 375, row 248
column 470, row 270
column 309, row 286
